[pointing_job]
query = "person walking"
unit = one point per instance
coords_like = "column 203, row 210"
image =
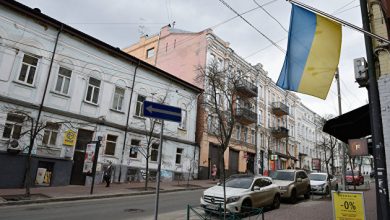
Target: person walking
column 214, row 172
column 107, row 174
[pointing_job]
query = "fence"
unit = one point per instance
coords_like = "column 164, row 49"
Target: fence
column 199, row 213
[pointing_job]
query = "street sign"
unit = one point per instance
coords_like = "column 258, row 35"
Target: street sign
column 348, row 205
column 163, row 112
column 358, row 147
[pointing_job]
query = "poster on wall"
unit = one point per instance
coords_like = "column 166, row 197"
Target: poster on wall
column 89, row 155
column 316, row 164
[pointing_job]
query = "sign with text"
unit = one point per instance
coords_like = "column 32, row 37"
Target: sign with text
column 70, row 138
column 89, row 156
column 358, row 147
column 348, row 205
column 274, row 157
column 316, row 164
column 163, row 112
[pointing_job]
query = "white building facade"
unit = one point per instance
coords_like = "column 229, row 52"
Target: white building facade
column 88, row 92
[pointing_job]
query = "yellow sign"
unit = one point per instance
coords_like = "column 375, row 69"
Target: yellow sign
column 70, row 138
column 348, row 205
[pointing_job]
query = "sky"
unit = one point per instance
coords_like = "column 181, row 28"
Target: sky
column 120, row 23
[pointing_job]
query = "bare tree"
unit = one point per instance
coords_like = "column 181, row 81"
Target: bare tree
column 221, row 102
column 25, row 127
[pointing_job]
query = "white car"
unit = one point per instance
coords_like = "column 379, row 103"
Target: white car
column 319, row 183
column 242, row 193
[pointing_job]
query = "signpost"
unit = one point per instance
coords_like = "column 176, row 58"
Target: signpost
column 348, row 205
column 162, row 112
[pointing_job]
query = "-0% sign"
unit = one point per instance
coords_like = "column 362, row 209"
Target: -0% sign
column 348, row 205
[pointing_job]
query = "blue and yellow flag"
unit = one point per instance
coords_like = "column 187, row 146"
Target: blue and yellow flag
column 313, row 53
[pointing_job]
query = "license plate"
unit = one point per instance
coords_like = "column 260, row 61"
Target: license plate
column 212, row 207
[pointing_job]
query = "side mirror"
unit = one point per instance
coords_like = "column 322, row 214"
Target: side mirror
column 256, row 188
column 299, row 180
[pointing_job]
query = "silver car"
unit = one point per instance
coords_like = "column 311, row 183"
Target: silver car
column 319, row 183
column 292, row 183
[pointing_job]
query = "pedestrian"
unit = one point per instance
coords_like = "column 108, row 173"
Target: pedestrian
column 107, row 174
column 214, row 172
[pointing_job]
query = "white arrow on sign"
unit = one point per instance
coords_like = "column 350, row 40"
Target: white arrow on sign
column 151, row 110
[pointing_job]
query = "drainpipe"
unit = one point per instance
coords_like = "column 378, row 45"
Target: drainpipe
column 34, row 134
column 127, row 122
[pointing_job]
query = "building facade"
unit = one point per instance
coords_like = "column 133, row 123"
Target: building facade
column 90, row 93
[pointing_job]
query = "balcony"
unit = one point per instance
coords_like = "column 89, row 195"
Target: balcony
column 246, row 89
column 279, row 109
column 246, row 116
column 279, row 132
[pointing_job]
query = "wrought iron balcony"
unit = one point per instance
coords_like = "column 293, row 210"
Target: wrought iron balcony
column 279, row 109
column 246, row 116
column 279, row 132
column 246, row 89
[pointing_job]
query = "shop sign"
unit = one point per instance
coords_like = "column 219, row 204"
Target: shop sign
column 274, row 157
column 348, row 205
column 70, row 138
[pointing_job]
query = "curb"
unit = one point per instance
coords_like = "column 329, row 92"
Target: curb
column 91, row 197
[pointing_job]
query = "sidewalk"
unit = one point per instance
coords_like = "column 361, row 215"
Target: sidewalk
column 76, row 192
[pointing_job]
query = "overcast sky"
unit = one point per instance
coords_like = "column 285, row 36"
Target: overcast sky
column 121, row 22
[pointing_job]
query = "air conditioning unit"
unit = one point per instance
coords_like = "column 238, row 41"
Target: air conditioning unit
column 13, row 146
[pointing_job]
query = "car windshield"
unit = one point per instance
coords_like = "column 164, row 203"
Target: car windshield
column 243, row 183
column 278, row 175
column 317, row 177
column 349, row 173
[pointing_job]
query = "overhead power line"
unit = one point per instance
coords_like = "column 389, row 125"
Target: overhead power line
column 269, row 14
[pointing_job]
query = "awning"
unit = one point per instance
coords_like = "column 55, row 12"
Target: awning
column 351, row 125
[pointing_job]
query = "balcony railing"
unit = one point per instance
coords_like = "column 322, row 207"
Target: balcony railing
column 246, row 116
column 279, row 109
column 279, row 132
column 246, row 89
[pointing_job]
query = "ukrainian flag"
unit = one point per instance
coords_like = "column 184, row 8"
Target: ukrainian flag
column 313, row 52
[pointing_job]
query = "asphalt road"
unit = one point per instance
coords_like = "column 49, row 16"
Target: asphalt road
column 134, row 207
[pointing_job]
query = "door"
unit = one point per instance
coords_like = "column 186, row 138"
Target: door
column 83, row 138
column 233, row 161
column 250, row 165
column 214, row 158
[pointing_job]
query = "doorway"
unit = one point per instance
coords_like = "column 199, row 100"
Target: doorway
column 83, row 138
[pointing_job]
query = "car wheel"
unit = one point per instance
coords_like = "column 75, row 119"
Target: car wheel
column 293, row 197
column 307, row 194
column 246, row 207
column 276, row 202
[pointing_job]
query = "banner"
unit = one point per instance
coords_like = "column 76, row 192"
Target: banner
column 89, row 156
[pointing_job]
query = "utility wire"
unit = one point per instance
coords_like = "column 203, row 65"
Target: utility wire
column 262, row 8
column 257, row 30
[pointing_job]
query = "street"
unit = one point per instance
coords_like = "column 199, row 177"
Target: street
column 171, row 206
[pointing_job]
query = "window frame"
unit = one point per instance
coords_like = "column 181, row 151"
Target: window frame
column 110, row 142
column 179, row 154
column 13, row 123
column 93, row 91
column 136, row 152
column 148, row 55
column 120, row 99
column 139, row 105
column 51, row 130
column 154, row 150
column 63, row 81
column 25, row 81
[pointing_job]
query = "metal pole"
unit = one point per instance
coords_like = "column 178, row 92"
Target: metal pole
column 159, row 170
column 331, row 17
column 337, row 76
column 127, row 122
column 95, row 159
column 382, row 196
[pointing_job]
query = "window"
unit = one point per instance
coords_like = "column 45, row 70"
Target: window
column 179, row 152
column 238, row 132
column 63, row 80
column 119, row 94
column 110, row 144
column 50, row 134
column 260, row 121
column 183, row 123
column 93, row 90
column 150, row 53
column 140, row 105
column 253, row 136
column 245, row 135
column 154, row 152
column 135, row 145
column 28, row 70
column 13, row 126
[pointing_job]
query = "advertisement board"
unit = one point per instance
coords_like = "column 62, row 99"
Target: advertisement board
column 89, row 156
column 348, row 205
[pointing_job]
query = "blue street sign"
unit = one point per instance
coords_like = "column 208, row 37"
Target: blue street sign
column 163, row 112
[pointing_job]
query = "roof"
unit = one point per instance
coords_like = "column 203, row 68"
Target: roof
column 180, row 31
column 351, row 125
column 36, row 14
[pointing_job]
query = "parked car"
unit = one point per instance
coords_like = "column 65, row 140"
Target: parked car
column 292, row 183
column 242, row 192
column 358, row 178
column 319, row 183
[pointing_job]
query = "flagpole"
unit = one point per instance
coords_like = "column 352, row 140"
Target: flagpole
column 331, row 17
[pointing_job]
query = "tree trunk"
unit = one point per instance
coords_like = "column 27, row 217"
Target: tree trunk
column 147, row 168
column 224, row 187
column 352, row 172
